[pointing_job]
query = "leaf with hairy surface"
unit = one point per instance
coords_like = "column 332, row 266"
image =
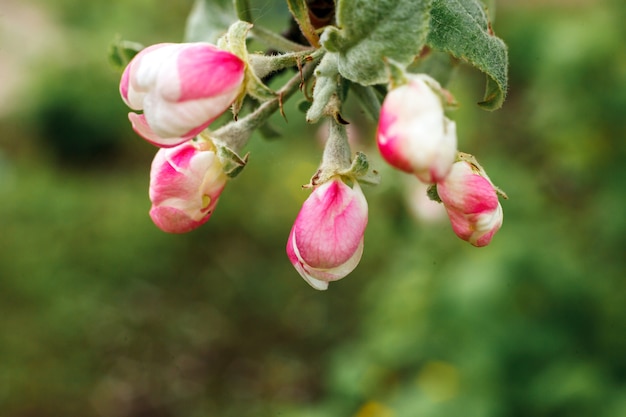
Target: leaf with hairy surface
column 462, row 28
column 368, row 32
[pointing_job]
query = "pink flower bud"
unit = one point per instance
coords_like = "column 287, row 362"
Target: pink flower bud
column 185, row 184
column 181, row 89
column 326, row 240
column 472, row 203
column 413, row 133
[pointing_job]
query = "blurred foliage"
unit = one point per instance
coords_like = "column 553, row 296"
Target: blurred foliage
column 101, row 314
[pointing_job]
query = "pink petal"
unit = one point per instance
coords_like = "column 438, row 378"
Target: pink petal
column 124, row 84
column 389, row 144
column 207, row 71
column 466, row 191
column 172, row 220
column 300, row 266
column 331, row 224
column 141, row 127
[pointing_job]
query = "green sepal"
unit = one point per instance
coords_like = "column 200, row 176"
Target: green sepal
column 396, row 73
column 121, row 52
column 447, row 99
column 462, row 28
column 432, row 193
column 359, row 170
column 232, row 164
column 478, row 169
column 235, row 42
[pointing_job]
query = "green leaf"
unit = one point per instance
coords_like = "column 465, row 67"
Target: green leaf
column 461, row 28
column 234, row 41
column 121, row 52
column 370, row 31
column 232, row 164
column 326, row 87
column 361, row 171
column 300, row 12
column 368, row 99
column 209, row 20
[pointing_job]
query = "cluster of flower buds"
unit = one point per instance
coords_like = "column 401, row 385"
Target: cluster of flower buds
column 415, row 136
column 181, row 89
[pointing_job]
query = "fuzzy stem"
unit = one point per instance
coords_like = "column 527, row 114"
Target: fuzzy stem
column 264, row 65
column 337, row 153
column 235, row 135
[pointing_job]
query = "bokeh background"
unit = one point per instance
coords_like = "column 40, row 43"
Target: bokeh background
column 102, row 314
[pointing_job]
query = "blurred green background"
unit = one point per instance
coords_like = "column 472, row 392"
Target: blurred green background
column 102, row 314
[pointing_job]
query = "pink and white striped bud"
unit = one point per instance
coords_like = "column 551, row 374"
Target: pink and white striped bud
column 181, row 89
column 413, row 133
column 471, row 201
column 185, row 184
column 326, row 240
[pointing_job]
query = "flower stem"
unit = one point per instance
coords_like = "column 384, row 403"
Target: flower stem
column 235, row 135
column 337, row 153
column 264, row 65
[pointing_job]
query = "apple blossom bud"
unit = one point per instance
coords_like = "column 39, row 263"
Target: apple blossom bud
column 413, row 133
column 181, row 89
column 185, row 184
column 472, row 203
column 326, row 240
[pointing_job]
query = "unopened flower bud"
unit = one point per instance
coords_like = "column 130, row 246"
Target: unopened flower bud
column 185, row 184
column 472, row 203
column 413, row 133
column 181, row 89
column 326, row 241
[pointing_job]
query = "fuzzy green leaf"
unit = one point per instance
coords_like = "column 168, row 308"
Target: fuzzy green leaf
column 209, row 20
column 326, row 86
column 370, row 31
column 232, row 164
column 462, row 28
